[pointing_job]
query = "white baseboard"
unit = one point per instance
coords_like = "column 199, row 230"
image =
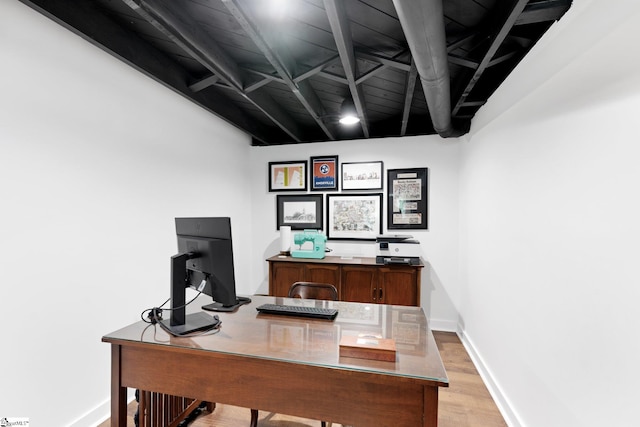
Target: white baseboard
column 443, row 325
column 94, row 417
column 100, row 413
column 498, row 396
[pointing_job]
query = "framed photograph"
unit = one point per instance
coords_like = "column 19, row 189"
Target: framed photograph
column 324, row 173
column 299, row 212
column 362, row 176
column 407, row 207
column 288, row 176
column 354, row 216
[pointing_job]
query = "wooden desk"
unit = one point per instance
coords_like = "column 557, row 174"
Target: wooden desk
column 289, row 365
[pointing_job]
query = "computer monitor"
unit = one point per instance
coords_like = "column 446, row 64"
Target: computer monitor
column 204, row 262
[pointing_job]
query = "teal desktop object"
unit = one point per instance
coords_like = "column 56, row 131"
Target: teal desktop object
column 318, row 240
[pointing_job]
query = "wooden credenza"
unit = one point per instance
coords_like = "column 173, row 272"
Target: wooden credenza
column 357, row 279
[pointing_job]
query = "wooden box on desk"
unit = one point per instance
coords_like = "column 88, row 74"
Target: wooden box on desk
column 372, row 348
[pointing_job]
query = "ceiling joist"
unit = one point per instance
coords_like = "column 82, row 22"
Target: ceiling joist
column 281, row 76
column 87, row 20
column 171, row 20
column 409, row 90
column 303, row 91
column 543, row 11
column 342, row 35
column 501, row 31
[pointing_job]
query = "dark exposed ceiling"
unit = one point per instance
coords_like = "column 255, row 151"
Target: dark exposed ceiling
column 281, row 69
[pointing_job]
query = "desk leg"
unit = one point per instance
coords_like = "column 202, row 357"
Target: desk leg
column 118, row 393
column 430, row 415
column 254, row 418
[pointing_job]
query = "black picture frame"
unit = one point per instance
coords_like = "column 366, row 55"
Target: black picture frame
column 288, row 176
column 362, row 175
column 300, row 212
column 354, row 216
column 408, row 199
column 323, row 173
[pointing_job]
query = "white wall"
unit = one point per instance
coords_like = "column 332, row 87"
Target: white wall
column 440, row 283
column 95, row 162
column 538, row 205
column 550, row 231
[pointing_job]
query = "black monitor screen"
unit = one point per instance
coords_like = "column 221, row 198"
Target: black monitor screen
column 210, row 267
column 204, row 262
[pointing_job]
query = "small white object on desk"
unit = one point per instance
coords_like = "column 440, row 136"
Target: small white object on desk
column 285, row 238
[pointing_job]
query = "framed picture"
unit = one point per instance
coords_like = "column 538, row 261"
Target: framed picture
column 324, row 173
column 288, row 176
column 407, row 207
column 299, row 212
column 362, row 176
column 354, row 216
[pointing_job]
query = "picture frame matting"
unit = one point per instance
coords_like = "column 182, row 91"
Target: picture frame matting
column 300, row 212
column 407, row 204
column 288, row 176
column 362, row 175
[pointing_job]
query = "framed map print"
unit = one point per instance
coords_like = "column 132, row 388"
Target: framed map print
column 354, row 216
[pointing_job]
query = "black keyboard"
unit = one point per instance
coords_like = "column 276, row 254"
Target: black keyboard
column 300, row 311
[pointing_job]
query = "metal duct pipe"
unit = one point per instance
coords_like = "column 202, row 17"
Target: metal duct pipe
column 423, row 25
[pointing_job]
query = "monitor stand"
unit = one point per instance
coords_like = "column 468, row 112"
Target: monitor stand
column 180, row 323
column 217, row 306
column 195, row 322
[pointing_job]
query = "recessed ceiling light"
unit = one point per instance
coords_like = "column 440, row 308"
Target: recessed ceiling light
column 348, row 113
column 349, row 120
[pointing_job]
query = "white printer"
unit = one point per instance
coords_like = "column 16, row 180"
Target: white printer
column 397, row 249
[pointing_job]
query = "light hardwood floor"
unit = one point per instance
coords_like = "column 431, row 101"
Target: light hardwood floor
column 465, row 403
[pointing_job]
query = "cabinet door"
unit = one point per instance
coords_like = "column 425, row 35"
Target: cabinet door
column 283, row 275
column 359, row 284
column 323, row 273
column 398, row 286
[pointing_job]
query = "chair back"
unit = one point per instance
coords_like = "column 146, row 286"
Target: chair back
column 313, row 290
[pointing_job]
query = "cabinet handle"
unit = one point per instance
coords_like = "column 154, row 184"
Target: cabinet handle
column 373, row 295
column 380, row 294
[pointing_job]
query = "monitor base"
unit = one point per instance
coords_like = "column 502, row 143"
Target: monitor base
column 196, row 322
column 216, row 306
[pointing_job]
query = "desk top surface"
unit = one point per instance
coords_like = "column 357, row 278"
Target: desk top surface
column 342, row 260
column 306, row 341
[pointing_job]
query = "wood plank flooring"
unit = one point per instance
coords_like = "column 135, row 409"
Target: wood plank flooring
column 465, row 403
